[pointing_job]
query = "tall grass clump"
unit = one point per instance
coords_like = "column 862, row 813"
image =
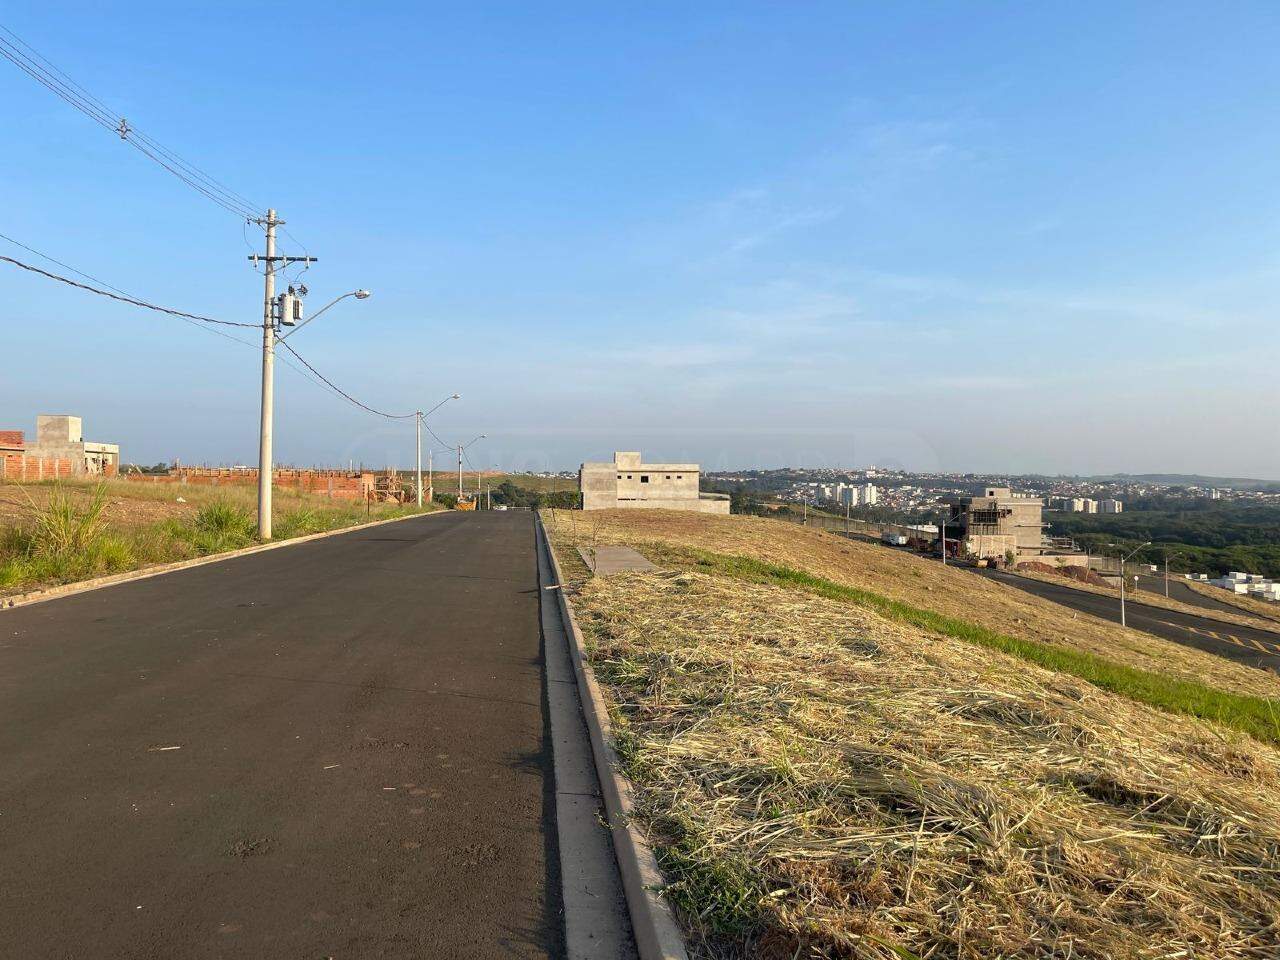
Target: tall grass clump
column 220, row 525
column 66, row 539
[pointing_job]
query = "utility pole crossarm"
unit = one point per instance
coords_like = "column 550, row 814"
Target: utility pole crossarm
column 255, row 258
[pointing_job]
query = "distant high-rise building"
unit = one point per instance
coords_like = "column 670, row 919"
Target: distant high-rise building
column 1111, row 506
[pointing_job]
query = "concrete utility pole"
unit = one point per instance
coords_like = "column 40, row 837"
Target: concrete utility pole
column 1167, row 557
column 1123, row 560
column 431, row 487
column 421, row 419
column 266, row 467
column 461, row 448
column 418, row 469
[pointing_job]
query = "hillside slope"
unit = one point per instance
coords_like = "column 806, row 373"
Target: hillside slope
column 915, row 580
column 821, row 781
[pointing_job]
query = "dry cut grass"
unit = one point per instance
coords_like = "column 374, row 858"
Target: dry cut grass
column 821, row 782
column 914, row 580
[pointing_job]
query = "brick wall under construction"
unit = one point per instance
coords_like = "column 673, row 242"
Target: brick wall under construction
column 335, row 484
column 25, row 468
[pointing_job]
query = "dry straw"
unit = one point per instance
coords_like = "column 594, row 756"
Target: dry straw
column 821, row 782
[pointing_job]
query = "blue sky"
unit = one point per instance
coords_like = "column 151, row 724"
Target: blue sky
column 997, row 237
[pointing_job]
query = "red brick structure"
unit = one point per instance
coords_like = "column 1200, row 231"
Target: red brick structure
column 19, row 467
column 335, row 484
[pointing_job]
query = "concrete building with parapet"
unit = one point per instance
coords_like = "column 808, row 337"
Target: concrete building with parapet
column 999, row 523
column 60, row 436
column 628, row 483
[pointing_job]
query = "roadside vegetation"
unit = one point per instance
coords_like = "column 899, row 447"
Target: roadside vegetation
column 829, row 769
column 67, row 531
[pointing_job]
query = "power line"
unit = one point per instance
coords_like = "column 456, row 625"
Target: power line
column 343, row 393
column 448, row 447
column 27, row 59
column 123, row 298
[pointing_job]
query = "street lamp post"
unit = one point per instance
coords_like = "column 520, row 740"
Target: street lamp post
column 942, row 533
column 461, row 448
column 284, row 305
column 420, row 418
column 1123, row 560
column 1167, row 557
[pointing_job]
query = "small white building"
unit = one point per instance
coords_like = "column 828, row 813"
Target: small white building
column 629, row 483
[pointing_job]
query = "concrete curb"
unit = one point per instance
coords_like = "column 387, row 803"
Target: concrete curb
column 97, row 583
column 657, row 935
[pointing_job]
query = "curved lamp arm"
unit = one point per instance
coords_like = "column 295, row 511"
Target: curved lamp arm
column 358, row 294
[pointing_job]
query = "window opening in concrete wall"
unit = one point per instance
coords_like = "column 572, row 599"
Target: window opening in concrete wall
column 644, row 478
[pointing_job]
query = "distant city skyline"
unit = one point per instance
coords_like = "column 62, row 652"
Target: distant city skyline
column 1010, row 240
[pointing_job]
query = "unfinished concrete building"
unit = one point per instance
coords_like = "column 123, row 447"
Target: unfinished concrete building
column 998, row 523
column 60, row 436
column 628, row 483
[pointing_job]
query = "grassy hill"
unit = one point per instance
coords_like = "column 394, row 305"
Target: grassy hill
column 843, row 750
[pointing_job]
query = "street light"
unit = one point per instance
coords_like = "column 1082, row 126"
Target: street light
column 1123, row 560
column 358, row 294
column 1167, row 557
column 461, row 448
column 277, row 311
column 418, row 420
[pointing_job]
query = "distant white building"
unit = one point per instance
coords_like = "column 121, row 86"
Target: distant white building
column 1111, row 506
column 859, row 495
column 628, row 483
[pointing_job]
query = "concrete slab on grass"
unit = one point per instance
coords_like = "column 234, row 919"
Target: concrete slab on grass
column 603, row 561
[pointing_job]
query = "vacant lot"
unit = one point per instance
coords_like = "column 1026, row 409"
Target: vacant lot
column 827, row 774
column 923, row 583
column 60, row 532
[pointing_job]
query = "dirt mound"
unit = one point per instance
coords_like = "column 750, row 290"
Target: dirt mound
column 1072, row 572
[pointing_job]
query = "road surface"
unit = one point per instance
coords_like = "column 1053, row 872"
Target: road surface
column 1180, row 591
column 1255, row 647
column 334, row 749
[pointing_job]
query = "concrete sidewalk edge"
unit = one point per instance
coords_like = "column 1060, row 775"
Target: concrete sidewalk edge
column 142, row 573
column 656, row 932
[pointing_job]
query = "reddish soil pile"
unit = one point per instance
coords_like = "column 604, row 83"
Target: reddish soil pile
column 1071, row 572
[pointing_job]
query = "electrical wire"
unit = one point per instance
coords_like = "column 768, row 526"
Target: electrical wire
column 123, row 298
column 451, row 449
column 27, row 59
column 337, row 389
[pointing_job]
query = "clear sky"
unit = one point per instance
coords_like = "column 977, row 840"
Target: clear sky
column 962, row 236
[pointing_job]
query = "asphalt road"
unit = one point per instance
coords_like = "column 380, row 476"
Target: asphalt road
column 1178, row 590
column 334, row 749
column 1257, row 648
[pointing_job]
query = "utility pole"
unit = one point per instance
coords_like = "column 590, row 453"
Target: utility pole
column 460, row 491
column 265, row 464
column 431, row 487
column 418, row 423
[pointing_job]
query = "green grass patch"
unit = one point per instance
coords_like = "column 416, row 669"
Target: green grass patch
column 1256, row 716
column 69, row 538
